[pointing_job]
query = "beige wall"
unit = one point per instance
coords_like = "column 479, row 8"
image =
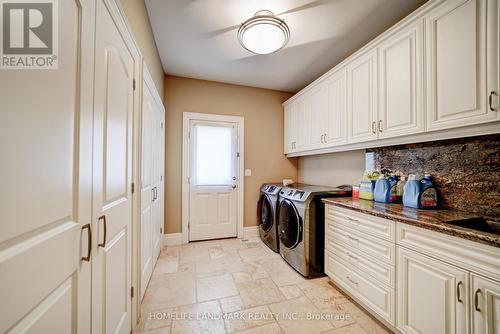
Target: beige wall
column 332, row 169
column 263, row 115
column 138, row 19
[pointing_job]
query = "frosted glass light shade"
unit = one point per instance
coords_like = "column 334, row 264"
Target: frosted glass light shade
column 264, row 33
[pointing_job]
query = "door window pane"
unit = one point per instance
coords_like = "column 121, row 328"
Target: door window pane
column 214, row 155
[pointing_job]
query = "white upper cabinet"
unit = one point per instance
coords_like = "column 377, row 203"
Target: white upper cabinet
column 318, row 115
column 301, row 120
column 362, row 98
column 456, row 65
column 400, row 83
column 336, row 84
column 290, row 127
column 437, row 69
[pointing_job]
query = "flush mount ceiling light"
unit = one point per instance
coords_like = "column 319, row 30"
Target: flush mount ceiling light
column 263, row 33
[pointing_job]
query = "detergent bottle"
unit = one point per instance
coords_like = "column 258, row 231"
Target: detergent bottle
column 385, row 189
column 428, row 194
column 400, row 189
column 411, row 192
column 367, row 184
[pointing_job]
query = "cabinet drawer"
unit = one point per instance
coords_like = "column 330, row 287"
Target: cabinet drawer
column 376, row 297
column 372, row 246
column 372, row 225
column 381, row 271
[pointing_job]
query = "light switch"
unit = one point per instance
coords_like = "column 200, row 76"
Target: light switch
column 248, row 172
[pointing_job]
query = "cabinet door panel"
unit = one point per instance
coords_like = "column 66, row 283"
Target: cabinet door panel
column 400, row 88
column 336, row 133
column 301, row 116
column 362, row 99
column 456, row 65
column 318, row 98
column 427, row 295
column 486, row 314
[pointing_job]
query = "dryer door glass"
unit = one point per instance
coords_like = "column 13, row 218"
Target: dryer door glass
column 265, row 212
column 289, row 224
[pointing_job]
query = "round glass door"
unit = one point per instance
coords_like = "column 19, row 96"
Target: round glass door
column 265, row 213
column 290, row 229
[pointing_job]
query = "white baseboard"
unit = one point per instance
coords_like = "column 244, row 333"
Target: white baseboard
column 250, row 232
column 172, row 239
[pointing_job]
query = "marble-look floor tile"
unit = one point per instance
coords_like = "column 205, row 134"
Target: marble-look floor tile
column 250, row 254
column 231, row 304
column 259, row 292
column 233, row 244
column 297, row 316
column 321, row 293
column 170, row 290
column 162, row 330
column 194, row 255
column 291, row 291
column 154, row 320
column 245, row 319
column 351, row 329
column 200, row 321
column 215, row 287
column 271, row 328
column 281, row 273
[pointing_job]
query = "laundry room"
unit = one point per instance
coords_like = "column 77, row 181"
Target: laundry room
column 250, row 166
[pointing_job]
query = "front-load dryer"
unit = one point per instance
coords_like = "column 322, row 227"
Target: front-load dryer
column 301, row 224
column 267, row 214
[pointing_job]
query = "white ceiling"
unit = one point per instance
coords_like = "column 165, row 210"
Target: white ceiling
column 198, row 38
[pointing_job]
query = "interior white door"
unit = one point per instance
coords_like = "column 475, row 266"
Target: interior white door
column 485, row 305
column 400, row 86
column 147, row 189
column 336, row 133
column 213, row 178
column 456, row 65
column 432, row 295
column 158, row 119
column 362, row 98
column 113, row 117
column 45, row 192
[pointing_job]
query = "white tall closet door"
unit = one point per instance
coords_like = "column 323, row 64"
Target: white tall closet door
column 147, row 191
column 113, row 117
column 45, row 144
column 157, row 179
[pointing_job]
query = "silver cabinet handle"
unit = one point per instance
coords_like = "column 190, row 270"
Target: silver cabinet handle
column 380, row 126
column 352, row 238
column 374, row 125
column 459, row 298
column 490, row 100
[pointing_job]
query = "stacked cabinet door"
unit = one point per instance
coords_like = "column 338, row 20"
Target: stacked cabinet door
column 112, row 195
column 457, row 76
column 151, row 183
column 337, row 108
column 45, row 193
column 485, row 305
column 317, row 115
column 400, row 83
column 362, row 98
column 432, row 295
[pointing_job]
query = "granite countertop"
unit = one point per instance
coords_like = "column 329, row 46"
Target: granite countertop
column 435, row 220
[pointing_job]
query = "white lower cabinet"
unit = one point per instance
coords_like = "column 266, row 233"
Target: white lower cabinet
column 432, row 295
column 485, row 301
column 415, row 280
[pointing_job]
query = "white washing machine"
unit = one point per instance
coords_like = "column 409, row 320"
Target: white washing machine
column 267, row 209
column 301, row 225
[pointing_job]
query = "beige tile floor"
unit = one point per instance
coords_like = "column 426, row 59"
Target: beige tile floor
column 241, row 286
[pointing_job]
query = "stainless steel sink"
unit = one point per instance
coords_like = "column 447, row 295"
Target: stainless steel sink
column 478, row 224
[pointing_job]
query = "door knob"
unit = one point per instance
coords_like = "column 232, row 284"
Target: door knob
column 233, row 186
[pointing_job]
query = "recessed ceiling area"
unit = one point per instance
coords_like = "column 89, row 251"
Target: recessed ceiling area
column 198, row 38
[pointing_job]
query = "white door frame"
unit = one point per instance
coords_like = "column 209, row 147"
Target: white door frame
column 187, row 117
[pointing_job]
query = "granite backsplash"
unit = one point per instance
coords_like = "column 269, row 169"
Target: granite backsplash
column 466, row 170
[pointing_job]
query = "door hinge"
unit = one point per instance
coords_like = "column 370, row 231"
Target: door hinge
column 161, row 230
column 189, row 180
column 189, row 225
column 161, row 177
column 132, row 292
column 162, row 125
column 132, row 186
column 133, row 84
column 238, row 154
